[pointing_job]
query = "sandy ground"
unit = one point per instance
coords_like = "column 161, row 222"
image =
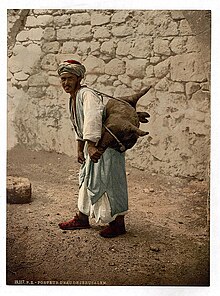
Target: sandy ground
column 167, row 240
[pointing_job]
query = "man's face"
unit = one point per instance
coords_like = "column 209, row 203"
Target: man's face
column 69, row 82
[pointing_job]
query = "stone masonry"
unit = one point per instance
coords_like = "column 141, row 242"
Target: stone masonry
column 123, row 51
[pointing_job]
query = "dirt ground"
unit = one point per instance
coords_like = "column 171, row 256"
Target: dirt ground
column 167, row 239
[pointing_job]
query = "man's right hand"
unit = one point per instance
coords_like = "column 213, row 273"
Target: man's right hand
column 80, row 149
column 81, row 158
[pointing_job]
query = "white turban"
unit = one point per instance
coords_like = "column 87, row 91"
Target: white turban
column 73, row 67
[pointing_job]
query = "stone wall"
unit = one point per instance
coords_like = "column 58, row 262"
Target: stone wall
column 123, row 51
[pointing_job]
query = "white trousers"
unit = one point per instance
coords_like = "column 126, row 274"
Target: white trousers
column 101, row 210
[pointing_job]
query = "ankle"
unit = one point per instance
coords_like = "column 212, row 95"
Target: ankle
column 119, row 220
column 83, row 217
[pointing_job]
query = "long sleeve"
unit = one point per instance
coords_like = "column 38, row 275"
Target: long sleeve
column 72, row 118
column 93, row 113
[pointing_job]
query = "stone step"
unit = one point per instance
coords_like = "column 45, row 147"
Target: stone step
column 18, row 190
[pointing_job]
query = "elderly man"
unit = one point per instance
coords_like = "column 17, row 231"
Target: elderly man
column 102, row 177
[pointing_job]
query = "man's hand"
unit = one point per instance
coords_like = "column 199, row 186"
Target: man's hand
column 94, row 152
column 80, row 150
column 81, row 158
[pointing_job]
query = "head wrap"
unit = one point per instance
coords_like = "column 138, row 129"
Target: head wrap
column 73, row 67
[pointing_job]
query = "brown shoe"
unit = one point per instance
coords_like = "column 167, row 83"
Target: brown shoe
column 75, row 223
column 113, row 230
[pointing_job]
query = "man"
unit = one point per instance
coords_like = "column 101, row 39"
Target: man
column 102, row 177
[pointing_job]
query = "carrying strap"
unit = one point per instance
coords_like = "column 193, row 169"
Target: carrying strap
column 117, row 99
column 121, row 146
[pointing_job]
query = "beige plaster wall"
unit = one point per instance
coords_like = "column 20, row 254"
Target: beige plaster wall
column 123, row 52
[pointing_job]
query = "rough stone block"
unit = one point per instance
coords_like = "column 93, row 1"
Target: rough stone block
column 90, row 79
column 178, row 101
column 198, row 128
column 36, row 92
column 120, row 17
column 64, row 34
column 155, row 60
column 184, row 28
column 109, row 90
column 192, row 44
column 192, row 87
column 122, row 31
column 103, row 79
column 83, row 48
column 195, row 115
column 18, row 190
column 31, row 21
column 115, row 67
column 136, row 68
column 108, row 48
column 51, row 47
column 21, row 76
column 117, row 83
column 18, row 49
column 45, row 20
column 54, row 80
column 142, row 48
column 49, row 62
column 62, row 20
column 150, row 71
column 69, row 47
column 177, row 45
column 161, row 69
column 22, row 36
column 177, row 87
column 36, row 34
column 168, row 28
column 125, row 79
column 136, row 84
column 146, row 29
column 52, row 92
column 15, row 65
column 94, row 65
column 161, row 46
column 187, row 67
column 95, row 46
column 162, row 85
column 177, row 15
column 161, row 107
column 98, row 19
column 200, row 101
column 123, row 90
column 81, row 32
column 38, row 80
column 80, row 19
column 49, row 33
column 102, row 32
column 123, row 48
